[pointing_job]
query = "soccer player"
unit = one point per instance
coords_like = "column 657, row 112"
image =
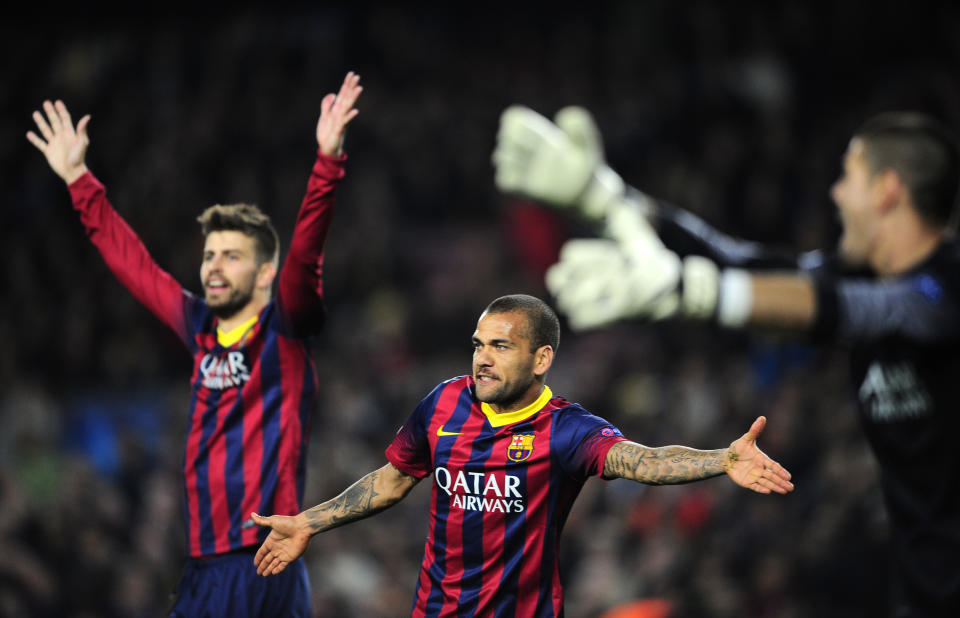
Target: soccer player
column 508, row 459
column 891, row 296
column 254, row 386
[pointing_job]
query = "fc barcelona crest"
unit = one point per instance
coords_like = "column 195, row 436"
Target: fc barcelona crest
column 520, row 447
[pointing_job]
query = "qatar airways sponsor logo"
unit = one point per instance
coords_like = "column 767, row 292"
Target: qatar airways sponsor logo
column 478, row 491
column 223, row 372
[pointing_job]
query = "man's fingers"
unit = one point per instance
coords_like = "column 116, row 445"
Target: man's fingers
column 82, row 126
column 63, row 115
column 757, row 427
column 52, row 117
column 36, row 141
column 349, row 91
column 326, row 104
column 42, row 125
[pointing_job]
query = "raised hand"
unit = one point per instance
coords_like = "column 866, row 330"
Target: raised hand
column 750, row 467
column 336, row 112
column 62, row 145
column 286, row 542
column 541, row 160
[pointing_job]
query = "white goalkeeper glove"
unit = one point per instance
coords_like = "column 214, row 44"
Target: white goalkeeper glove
column 598, row 282
column 560, row 164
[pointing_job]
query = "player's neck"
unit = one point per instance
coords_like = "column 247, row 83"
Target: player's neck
column 528, row 398
column 248, row 311
column 907, row 244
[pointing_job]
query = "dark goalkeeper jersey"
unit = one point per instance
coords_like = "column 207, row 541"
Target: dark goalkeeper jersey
column 903, row 335
column 904, row 339
column 503, row 486
column 251, row 401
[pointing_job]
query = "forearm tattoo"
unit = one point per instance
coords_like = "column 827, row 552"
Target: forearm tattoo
column 667, row 465
column 358, row 501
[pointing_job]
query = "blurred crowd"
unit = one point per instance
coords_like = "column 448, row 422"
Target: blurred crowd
column 740, row 115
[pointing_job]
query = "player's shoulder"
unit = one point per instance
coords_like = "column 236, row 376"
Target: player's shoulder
column 569, row 412
column 939, row 276
column 456, row 384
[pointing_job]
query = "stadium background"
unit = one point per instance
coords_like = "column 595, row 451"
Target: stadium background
column 740, row 114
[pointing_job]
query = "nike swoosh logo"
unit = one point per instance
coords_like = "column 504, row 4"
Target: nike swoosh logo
column 441, row 432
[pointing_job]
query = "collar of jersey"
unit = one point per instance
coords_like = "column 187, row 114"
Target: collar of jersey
column 227, row 339
column 507, row 418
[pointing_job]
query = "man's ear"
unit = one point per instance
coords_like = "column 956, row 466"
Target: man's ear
column 542, row 360
column 266, row 274
column 891, row 189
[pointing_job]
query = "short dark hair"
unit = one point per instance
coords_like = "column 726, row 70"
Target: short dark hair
column 245, row 218
column 542, row 322
column 923, row 152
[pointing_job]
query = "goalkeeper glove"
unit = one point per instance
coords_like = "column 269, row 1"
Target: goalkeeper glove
column 560, row 164
column 598, row 282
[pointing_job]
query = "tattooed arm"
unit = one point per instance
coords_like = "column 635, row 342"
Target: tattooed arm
column 743, row 461
column 289, row 536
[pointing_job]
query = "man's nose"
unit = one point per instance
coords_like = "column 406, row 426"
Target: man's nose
column 483, row 357
column 835, row 192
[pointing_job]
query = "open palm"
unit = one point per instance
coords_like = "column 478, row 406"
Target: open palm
column 62, row 145
column 750, row 467
column 286, row 542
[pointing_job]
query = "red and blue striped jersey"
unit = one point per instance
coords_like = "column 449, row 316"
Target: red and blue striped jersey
column 251, row 401
column 503, row 487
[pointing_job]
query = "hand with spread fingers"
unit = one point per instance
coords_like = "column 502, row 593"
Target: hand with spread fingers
column 750, row 467
column 336, row 112
column 63, row 145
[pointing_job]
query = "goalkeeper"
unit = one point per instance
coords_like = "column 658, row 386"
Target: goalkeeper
column 890, row 294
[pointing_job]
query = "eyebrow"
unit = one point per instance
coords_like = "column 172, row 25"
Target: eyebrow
column 493, row 341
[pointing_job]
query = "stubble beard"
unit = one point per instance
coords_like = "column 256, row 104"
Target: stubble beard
column 236, row 300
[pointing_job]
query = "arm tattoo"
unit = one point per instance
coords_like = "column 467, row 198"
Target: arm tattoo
column 667, row 465
column 358, row 501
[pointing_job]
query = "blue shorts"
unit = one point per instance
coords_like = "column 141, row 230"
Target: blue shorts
column 228, row 585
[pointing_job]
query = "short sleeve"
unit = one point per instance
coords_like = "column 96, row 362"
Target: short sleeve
column 410, row 450
column 583, row 440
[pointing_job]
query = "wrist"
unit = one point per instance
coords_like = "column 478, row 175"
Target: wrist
column 735, row 302
column 305, row 525
column 604, row 190
column 72, row 175
column 730, row 458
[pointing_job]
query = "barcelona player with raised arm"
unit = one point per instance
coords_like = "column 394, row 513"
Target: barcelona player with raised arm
column 254, row 385
column 508, row 459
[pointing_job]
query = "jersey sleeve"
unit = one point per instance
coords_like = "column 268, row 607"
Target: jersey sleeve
column 687, row 234
column 128, row 259
column 917, row 307
column 583, row 441
column 300, row 285
column 410, row 450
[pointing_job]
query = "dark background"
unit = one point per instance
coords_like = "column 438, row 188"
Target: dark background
column 740, row 113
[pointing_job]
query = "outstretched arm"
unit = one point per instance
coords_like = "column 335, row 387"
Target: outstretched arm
column 65, row 148
column 300, row 284
column 289, row 536
column 743, row 461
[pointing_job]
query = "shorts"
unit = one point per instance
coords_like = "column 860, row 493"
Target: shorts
column 228, row 585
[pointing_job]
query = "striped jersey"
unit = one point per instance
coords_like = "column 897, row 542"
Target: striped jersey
column 503, row 487
column 251, row 399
